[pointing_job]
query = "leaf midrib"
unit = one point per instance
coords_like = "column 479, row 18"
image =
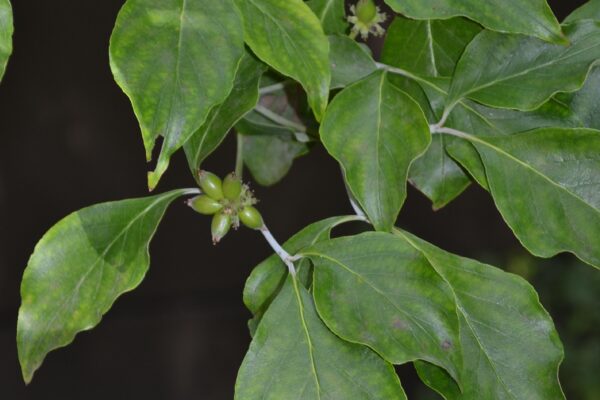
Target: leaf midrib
column 93, row 266
column 459, row 308
column 431, row 50
column 527, row 70
column 308, row 338
column 286, row 34
column 525, row 165
column 328, row 5
column 378, row 291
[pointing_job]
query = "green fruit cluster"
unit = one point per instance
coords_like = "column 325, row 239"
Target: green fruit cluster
column 229, row 201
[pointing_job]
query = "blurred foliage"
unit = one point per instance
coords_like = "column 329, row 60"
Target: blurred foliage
column 570, row 292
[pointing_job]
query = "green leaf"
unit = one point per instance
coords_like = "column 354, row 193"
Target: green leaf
column 377, row 290
column 431, row 48
column 546, row 184
column 349, row 61
column 288, row 36
column 223, row 117
column 585, row 103
column 439, row 380
column 332, row 15
column 80, row 267
column 270, row 157
column 269, row 150
column 513, row 71
column 375, row 131
column 590, row 10
column 175, row 59
column 268, row 277
column 466, row 154
column 427, row 48
column 294, row 355
column 529, row 17
column 511, row 349
column 580, row 109
column 481, row 120
column 436, row 174
column 6, row 32
column 275, row 133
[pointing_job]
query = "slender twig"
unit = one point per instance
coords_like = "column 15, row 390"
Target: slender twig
column 406, row 74
column 191, row 191
column 410, row 75
column 280, row 251
column 355, row 206
column 453, row 132
column 279, row 119
column 273, row 88
column 444, row 118
column 357, row 210
column 239, row 157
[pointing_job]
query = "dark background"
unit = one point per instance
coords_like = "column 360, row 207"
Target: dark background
column 70, row 139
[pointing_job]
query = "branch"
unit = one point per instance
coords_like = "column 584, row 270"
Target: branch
column 273, row 88
column 355, row 206
column 407, row 74
column 280, row 251
column 239, row 156
column 453, row 132
column 279, row 119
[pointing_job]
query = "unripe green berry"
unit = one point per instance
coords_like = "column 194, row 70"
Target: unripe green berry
column 204, row 204
column 220, row 226
column 211, row 185
column 366, row 10
column 232, row 187
column 251, row 217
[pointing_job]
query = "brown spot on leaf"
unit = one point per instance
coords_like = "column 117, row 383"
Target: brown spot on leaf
column 400, row 325
column 446, row 345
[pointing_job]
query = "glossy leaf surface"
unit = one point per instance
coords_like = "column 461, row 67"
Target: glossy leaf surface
column 223, row 117
column 546, row 184
column 80, row 267
column 376, row 131
column 6, row 32
column 294, row 355
column 529, row 17
column 377, row 290
column 511, row 349
column 332, row 15
column 349, row 61
column 514, row 71
column 288, row 36
column 175, row 60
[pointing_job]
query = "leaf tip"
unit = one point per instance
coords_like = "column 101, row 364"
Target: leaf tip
column 154, row 176
column 27, row 369
column 27, row 377
column 152, row 181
